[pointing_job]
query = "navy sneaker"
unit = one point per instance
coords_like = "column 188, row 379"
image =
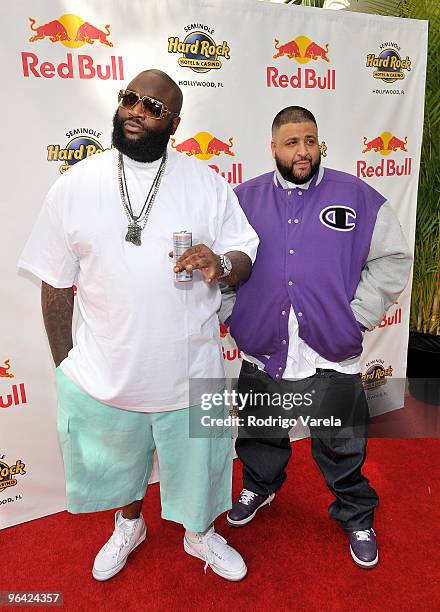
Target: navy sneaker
column 246, row 507
column 363, row 547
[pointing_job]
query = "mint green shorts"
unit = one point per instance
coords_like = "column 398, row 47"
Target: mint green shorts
column 108, row 458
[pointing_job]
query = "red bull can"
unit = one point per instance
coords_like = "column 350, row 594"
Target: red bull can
column 181, row 241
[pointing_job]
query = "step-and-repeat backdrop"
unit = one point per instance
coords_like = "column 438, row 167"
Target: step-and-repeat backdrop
column 238, row 63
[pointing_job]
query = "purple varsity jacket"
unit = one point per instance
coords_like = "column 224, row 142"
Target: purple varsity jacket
column 313, row 246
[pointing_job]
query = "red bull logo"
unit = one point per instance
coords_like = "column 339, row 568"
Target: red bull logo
column 199, row 50
column 72, row 32
column 8, row 473
column 385, row 144
column 302, row 50
column 204, row 146
column 4, row 370
column 82, row 143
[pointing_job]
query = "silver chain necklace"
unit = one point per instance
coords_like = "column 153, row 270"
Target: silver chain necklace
column 137, row 223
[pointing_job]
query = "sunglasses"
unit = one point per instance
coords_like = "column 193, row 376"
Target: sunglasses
column 152, row 108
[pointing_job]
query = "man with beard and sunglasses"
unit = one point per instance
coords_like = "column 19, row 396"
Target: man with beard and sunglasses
column 332, row 259
column 124, row 385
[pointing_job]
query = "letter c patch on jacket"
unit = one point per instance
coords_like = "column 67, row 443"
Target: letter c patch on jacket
column 339, row 218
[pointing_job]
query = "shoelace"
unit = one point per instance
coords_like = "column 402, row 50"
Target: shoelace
column 363, row 535
column 119, row 539
column 246, row 497
column 208, row 553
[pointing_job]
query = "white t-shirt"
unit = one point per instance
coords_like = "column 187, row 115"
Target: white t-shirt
column 141, row 337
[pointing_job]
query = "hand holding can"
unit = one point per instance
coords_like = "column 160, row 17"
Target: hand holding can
column 199, row 257
column 181, row 242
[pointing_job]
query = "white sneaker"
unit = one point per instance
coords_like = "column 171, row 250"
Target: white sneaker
column 214, row 550
column 128, row 534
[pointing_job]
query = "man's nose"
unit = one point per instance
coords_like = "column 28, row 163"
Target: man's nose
column 137, row 110
column 302, row 149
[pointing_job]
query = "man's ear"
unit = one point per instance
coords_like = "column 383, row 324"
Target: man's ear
column 272, row 146
column 176, row 121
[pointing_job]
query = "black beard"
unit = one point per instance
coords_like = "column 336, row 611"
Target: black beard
column 288, row 175
column 149, row 147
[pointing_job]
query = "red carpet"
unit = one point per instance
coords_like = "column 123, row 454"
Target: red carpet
column 296, row 556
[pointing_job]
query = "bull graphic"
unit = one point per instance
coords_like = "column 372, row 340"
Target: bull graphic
column 53, row 30
column 290, row 49
column 376, row 144
column 4, row 370
column 189, row 147
column 395, row 143
column 314, row 51
column 88, row 33
column 216, row 146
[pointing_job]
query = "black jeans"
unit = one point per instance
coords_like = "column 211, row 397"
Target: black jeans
column 338, row 449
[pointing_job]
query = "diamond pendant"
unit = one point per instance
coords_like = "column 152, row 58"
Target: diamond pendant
column 133, row 234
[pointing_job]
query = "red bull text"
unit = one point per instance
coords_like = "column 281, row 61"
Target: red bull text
column 395, row 319
column 387, row 167
column 303, row 78
column 84, row 67
column 16, row 397
column 233, row 176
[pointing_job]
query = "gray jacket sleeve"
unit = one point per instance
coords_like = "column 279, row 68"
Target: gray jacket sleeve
column 228, row 300
column 386, row 271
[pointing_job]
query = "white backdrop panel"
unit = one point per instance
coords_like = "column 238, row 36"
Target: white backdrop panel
column 227, row 110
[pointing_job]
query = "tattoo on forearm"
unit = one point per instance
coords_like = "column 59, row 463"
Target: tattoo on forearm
column 57, row 307
column 241, row 268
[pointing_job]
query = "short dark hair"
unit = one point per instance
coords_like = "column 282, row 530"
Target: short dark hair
column 178, row 95
column 292, row 114
column 177, row 92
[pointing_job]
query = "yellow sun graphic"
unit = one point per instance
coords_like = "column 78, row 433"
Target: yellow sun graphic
column 72, row 23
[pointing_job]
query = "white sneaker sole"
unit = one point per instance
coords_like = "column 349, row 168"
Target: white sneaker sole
column 233, row 576
column 249, row 518
column 365, row 564
column 101, row 576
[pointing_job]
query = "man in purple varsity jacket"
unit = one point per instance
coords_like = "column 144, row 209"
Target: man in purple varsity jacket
column 332, row 259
